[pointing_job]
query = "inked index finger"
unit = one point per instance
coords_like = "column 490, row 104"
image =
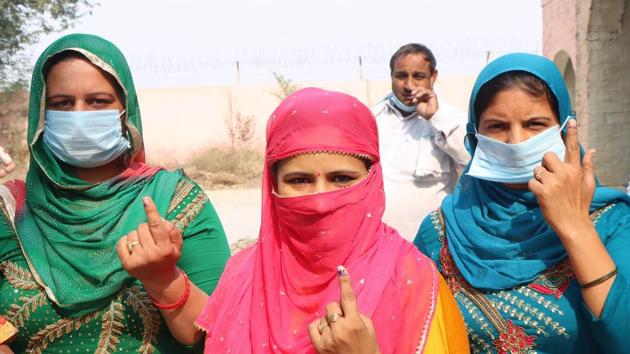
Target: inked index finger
column 572, row 144
column 347, row 300
column 154, row 220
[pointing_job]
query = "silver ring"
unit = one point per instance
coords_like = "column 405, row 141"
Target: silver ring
column 333, row 317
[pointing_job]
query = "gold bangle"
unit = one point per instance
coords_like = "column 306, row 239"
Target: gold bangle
column 601, row 279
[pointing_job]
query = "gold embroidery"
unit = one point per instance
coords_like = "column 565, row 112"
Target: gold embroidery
column 4, row 210
column 425, row 327
column 511, row 338
column 540, row 299
column 476, row 315
column 485, row 306
column 553, row 281
column 19, row 278
column 599, row 212
column 198, row 327
column 438, row 222
column 18, row 314
column 512, row 312
column 534, row 313
column 191, row 211
column 477, row 344
column 7, row 203
column 141, row 303
column 184, row 187
column 112, row 327
column 241, row 245
column 40, row 341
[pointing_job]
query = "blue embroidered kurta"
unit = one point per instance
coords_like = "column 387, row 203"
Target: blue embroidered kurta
column 547, row 315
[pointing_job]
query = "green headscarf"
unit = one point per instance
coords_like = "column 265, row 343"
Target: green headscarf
column 68, row 227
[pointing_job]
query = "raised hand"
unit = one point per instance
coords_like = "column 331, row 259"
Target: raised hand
column 344, row 330
column 564, row 189
column 150, row 253
column 426, row 102
column 6, row 163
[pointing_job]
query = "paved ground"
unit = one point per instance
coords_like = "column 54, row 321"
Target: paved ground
column 239, row 210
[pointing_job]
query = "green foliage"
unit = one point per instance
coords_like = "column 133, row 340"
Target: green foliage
column 22, row 23
column 241, row 129
column 285, row 85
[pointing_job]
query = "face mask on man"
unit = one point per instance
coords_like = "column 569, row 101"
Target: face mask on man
column 85, row 138
column 398, row 104
column 514, row 163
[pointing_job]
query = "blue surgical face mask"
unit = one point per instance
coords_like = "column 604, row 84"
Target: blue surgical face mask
column 398, row 103
column 514, row 163
column 85, row 138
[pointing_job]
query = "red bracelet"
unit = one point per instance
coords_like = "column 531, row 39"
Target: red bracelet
column 179, row 302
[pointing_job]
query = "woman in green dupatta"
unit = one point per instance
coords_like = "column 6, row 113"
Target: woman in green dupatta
column 61, row 282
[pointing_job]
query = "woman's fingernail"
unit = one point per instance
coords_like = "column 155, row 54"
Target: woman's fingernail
column 572, row 123
column 146, row 201
column 341, row 270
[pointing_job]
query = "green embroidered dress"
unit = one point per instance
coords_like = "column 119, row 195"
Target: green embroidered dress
column 61, row 282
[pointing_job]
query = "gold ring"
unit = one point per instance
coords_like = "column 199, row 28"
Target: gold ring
column 539, row 174
column 131, row 245
column 333, row 317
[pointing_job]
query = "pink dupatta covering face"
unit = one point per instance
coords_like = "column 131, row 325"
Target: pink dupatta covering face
column 270, row 292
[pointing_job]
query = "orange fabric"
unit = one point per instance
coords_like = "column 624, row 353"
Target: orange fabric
column 7, row 331
column 448, row 331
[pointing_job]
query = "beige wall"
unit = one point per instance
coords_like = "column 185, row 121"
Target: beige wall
column 180, row 122
column 559, row 39
column 559, row 27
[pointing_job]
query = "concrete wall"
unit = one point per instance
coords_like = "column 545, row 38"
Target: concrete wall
column 180, row 122
column 594, row 36
column 604, row 54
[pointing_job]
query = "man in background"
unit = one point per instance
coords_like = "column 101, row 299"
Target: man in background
column 421, row 140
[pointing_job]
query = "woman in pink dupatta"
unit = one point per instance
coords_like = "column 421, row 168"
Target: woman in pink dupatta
column 271, row 291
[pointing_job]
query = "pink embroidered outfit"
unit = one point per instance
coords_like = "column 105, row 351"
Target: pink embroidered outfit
column 271, row 291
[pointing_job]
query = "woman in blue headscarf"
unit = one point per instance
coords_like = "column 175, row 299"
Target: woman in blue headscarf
column 534, row 249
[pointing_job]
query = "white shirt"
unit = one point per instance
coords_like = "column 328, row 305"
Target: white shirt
column 421, row 160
